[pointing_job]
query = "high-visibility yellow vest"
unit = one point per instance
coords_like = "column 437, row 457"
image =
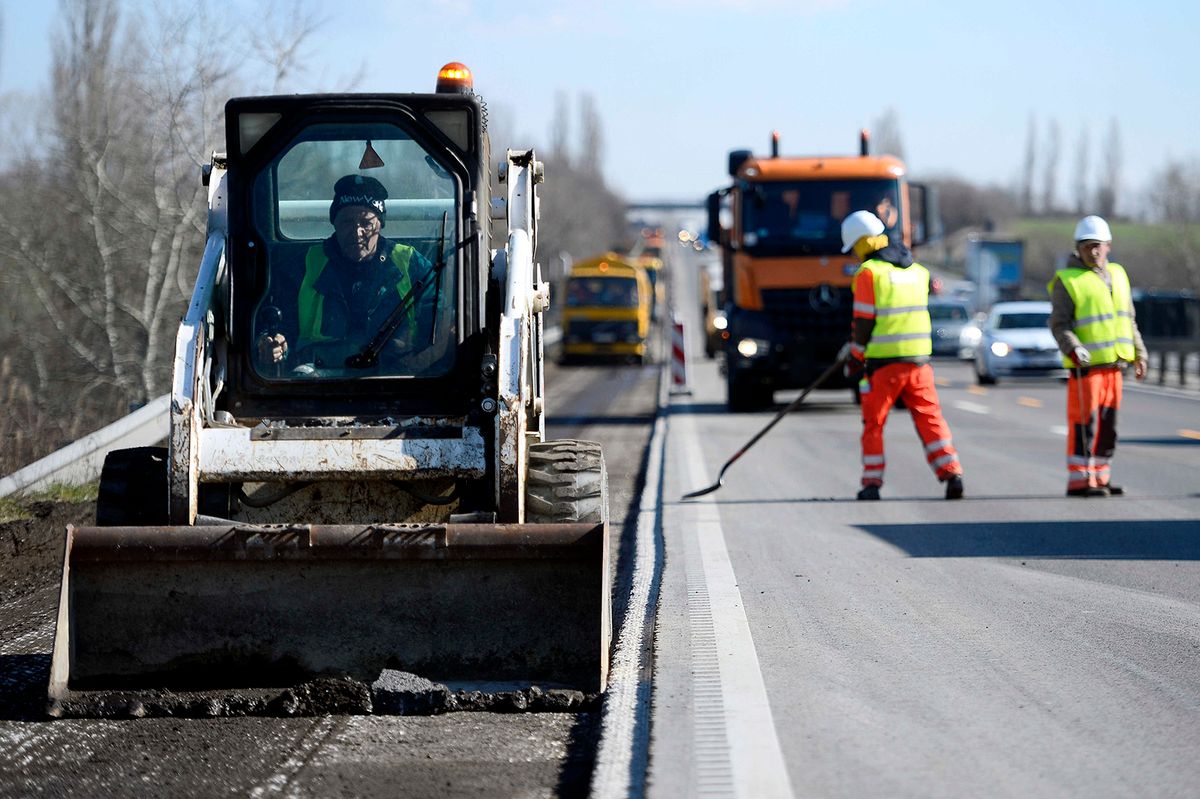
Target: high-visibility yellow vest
column 902, row 328
column 311, row 303
column 1102, row 319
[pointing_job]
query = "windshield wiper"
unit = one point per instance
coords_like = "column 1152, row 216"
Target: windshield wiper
column 369, row 356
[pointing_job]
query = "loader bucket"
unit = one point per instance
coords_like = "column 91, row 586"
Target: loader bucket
column 240, row 606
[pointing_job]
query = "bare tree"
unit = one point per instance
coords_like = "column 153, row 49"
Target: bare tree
column 1080, row 178
column 1050, row 170
column 966, row 205
column 560, row 129
column 109, row 226
column 1175, row 196
column 591, row 137
column 1027, row 171
column 886, row 133
column 1110, row 179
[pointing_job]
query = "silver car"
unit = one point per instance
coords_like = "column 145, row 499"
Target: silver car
column 947, row 317
column 1015, row 341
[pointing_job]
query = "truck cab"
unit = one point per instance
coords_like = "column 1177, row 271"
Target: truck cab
column 788, row 284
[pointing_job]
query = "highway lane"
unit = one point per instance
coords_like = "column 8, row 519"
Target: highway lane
column 461, row 754
column 1017, row 642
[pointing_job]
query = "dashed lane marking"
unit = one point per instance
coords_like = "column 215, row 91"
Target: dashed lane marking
column 1193, row 434
column 972, row 407
column 1030, row 402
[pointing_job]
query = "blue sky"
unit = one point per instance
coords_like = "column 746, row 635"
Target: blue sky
column 679, row 84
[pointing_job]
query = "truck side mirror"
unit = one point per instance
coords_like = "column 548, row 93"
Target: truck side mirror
column 926, row 215
column 714, row 217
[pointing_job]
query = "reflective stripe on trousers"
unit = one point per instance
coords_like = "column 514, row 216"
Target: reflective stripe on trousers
column 1092, row 403
column 914, row 383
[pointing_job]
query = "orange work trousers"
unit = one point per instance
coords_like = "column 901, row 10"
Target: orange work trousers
column 914, row 384
column 1093, row 399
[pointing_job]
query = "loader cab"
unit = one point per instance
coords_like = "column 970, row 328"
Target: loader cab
column 399, row 332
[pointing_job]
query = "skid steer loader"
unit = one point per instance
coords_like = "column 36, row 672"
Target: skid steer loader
column 336, row 501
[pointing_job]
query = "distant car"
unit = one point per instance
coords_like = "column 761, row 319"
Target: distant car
column 1015, row 341
column 948, row 318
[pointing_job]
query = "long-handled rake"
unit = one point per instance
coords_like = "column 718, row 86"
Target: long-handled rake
column 791, row 407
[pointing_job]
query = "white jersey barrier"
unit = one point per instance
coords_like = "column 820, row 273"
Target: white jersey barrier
column 679, row 378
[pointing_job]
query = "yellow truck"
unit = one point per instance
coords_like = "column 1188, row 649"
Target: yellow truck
column 607, row 310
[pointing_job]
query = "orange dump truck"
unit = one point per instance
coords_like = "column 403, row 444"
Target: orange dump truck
column 788, row 282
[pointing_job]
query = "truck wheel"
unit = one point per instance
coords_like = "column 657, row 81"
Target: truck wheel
column 133, row 488
column 742, row 397
column 984, row 379
column 566, row 482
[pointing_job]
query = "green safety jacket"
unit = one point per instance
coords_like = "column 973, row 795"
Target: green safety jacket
column 311, row 303
column 902, row 327
column 1102, row 319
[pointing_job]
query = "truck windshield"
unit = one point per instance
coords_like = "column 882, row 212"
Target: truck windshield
column 609, row 292
column 805, row 217
column 355, row 220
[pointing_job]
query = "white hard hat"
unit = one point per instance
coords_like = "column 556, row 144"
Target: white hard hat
column 1092, row 228
column 857, row 225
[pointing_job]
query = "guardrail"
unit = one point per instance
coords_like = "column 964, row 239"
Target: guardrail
column 81, row 461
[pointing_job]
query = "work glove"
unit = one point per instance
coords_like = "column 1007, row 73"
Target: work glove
column 1082, row 356
column 844, row 352
column 854, row 365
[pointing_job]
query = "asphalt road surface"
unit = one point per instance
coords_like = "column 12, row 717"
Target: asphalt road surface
column 1015, row 643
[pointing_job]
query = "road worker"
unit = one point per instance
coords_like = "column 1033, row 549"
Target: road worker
column 352, row 281
column 891, row 346
column 1092, row 320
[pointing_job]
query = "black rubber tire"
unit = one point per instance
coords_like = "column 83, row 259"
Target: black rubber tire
column 133, row 488
column 566, row 481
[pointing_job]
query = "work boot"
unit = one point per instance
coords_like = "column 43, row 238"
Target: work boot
column 1088, row 491
column 868, row 492
column 1114, row 491
column 954, row 487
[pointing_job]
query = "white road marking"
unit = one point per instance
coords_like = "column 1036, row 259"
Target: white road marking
column 737, row 750
column 1059, row 430
column 972, row 407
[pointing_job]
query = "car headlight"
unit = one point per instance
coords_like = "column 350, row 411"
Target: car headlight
column 720, row 322
column 1000, row 349
column 753, row 347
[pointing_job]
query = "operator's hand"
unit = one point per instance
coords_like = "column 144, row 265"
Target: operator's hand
column 1082, row 356
column 272, row 349
column 1139, row 369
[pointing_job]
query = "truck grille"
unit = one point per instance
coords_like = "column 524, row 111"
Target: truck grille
column 822, row 312
column 601, row 331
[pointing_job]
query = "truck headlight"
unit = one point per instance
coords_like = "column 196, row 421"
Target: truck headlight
column 753, row 347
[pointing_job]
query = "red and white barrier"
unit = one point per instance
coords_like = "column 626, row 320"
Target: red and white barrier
column 679, row 379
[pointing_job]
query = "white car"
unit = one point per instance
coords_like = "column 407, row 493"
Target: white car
column 1015, row 341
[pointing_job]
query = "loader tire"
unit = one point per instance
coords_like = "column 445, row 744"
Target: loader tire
column 133, row 488
column 566, row 482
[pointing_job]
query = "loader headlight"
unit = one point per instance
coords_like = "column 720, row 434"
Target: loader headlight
column 720, row 322
column 753, row 347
